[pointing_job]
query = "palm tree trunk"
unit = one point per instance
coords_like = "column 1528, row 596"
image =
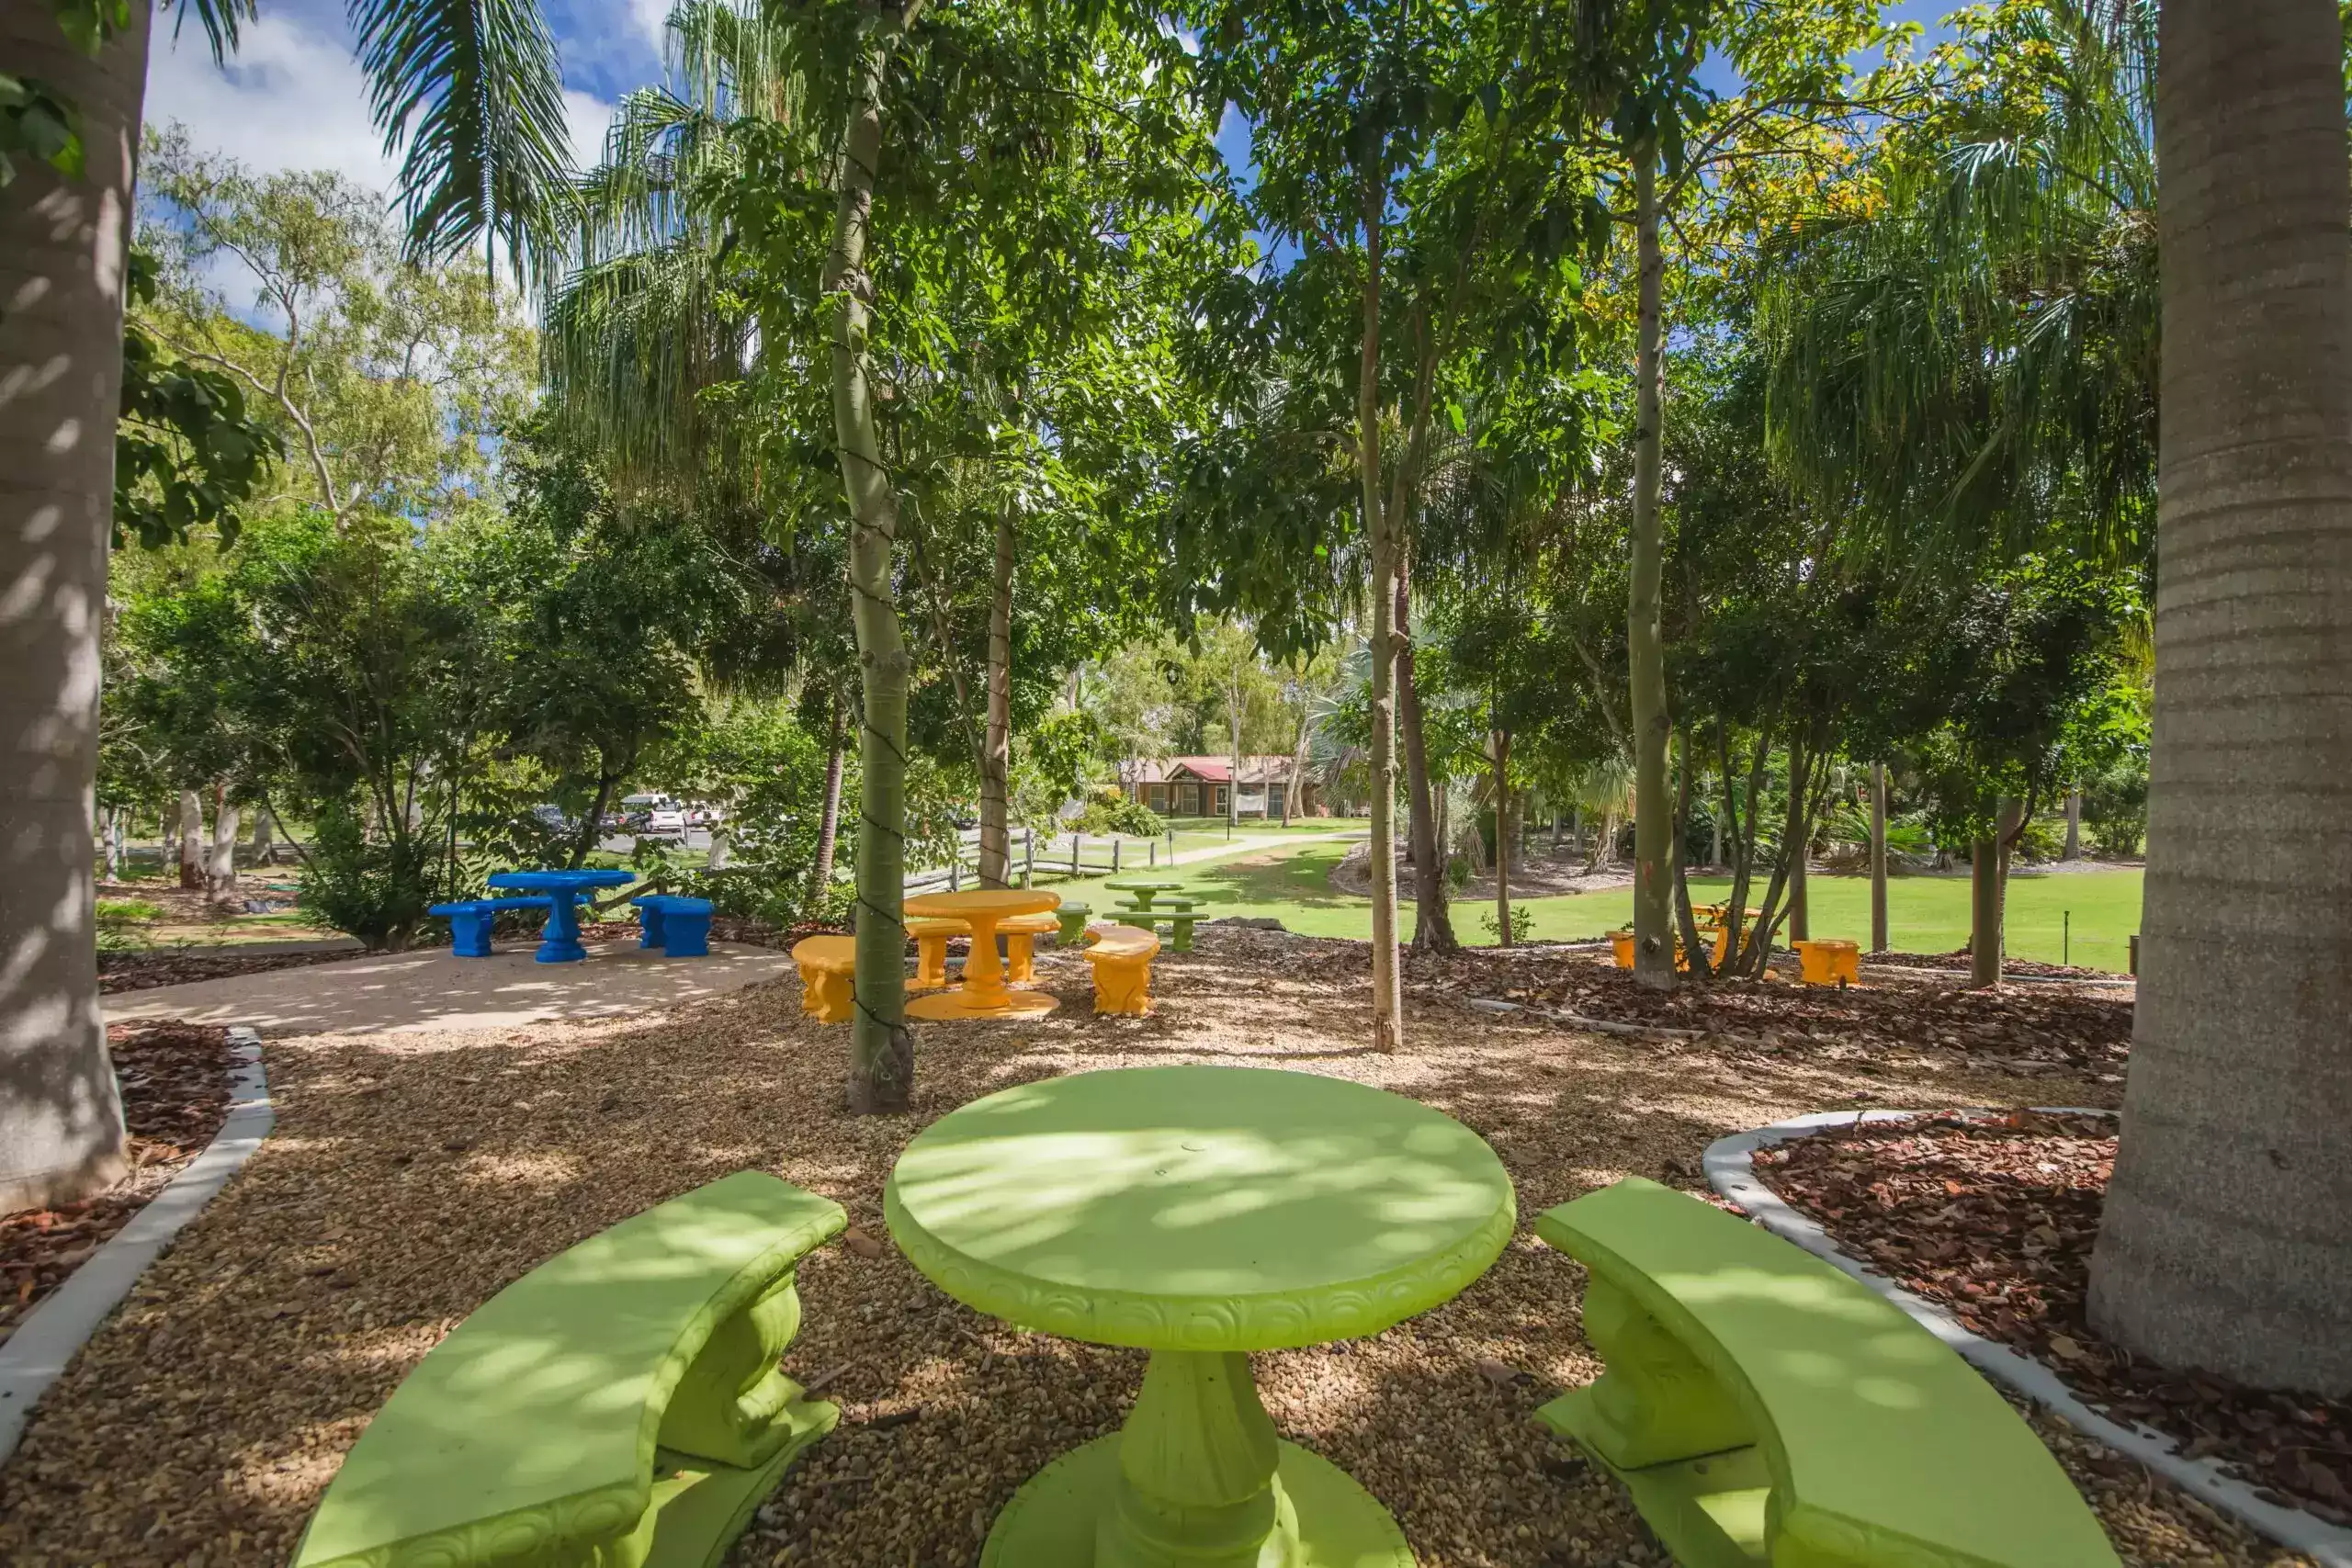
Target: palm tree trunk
column 882, row 1056
column 820, row 873
column 1645, row 644
column 1878, row 857
column 1432, row 916
column 1387, row 997
column 2228, row 1224
column 995, row 750
column 62, row 245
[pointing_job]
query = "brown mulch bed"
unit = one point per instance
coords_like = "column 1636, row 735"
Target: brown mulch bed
column 2032, row 1030
column 147, row 967
column 1957, row 961
column 1996, row 1220
column 174, row 1079
column 413, row 1174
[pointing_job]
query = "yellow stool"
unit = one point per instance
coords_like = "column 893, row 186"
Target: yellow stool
column 931, row 934
column 1122, row 960
column 1019, row 932
column 1829, row 962
column 827, row 976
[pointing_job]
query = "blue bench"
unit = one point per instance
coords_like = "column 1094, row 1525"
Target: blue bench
column 469, row 921
column 679, row 926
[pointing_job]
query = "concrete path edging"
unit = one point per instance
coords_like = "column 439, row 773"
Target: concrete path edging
column 34, row 1356
column 1730, row 1166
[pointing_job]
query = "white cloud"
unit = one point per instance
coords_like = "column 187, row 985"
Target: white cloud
column 291, row 98
column 652, row 18
column 588, row 117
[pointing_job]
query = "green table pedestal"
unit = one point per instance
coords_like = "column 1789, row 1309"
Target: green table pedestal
column 1195, row 1479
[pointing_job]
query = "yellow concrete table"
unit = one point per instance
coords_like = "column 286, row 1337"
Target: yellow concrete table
column 983, row 993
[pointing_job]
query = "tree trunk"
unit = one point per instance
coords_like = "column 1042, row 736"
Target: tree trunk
column 220, row 874
column 1432, row 911
column 1387, row 1001
column 1686, row 922
column 1985, row 912
column 1233, row 739
column 996, row 751
column 820, row 871
column 2227, row 1239
column 1878, row 857
column 1644, row 646
column 1800, row 915
column 592, row 826
column 2073, row 849
column 264, row 845
column 61, row 261
column 722, row 853
column 882, row 1056
column 168, row 825
column 1502, row 836
column 1292, row 797
column 191, row 839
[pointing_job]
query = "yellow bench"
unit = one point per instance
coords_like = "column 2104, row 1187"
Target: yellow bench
column 828, row 967
column 931, row 934
column 1122, row 960
column 1020, row 933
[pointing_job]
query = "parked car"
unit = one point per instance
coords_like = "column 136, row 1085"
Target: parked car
column 552, row 818
column 654, row 816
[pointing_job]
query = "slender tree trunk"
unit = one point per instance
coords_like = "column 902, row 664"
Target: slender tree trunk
column 2227, row 1240
column 1233, row 739
column 265, row 845
column 1502, row 836
column 1800, row 914
column 1878, row 857
column 996, row 751
column 882, row 1053
column 1291, row 798
column 1644, row 647
column 221, row 876
column 2073, row 849
column 168, row 825
column 62, row 257
column 191, row 839
column 1985, row 912
column 592, row 828
column 1432, row 911
column 1387, row 1000
column 820, row 871
column 1686, row 920
column 722, row 852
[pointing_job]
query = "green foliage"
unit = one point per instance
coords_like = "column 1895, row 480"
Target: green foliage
column 378, row 887
column 2115, row 806
column 767, row 774
column 1111, row 810
column 186, row 451
column 1523, row 924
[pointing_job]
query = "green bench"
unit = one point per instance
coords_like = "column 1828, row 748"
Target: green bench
column 1071, row 913
column 1177, row 912
column 1763, row 1408
column 619, row 1406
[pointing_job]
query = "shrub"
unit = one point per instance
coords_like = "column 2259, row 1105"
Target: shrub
column 2041, row 840
column 2115, row 806
column 1523, row 924
column 377, row 891
column 1111, row 810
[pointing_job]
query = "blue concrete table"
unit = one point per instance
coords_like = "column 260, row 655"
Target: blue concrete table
column 559, row 943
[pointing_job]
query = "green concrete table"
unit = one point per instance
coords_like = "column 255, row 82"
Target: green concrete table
column 1144, row 888
column 1199, row 1213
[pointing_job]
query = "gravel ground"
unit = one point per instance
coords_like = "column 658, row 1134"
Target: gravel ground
column 411, row 1175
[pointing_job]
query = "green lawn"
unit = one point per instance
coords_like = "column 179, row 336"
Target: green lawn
column 1927, row 914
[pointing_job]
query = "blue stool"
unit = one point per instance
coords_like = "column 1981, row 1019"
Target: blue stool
column 678, row 926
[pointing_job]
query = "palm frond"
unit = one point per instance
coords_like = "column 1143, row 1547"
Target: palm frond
column 474, row 89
